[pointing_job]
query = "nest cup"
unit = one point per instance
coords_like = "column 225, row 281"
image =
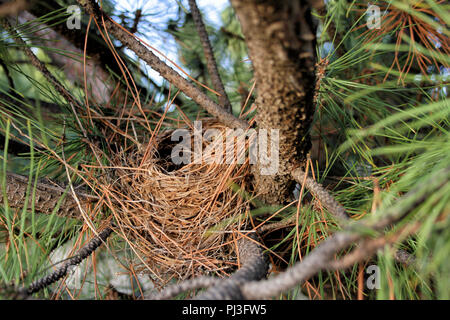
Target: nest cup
column 181, row 219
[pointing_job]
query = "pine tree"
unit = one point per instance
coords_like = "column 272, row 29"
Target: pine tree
column 93, row 205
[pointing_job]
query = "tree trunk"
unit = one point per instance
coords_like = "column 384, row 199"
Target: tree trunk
column 281, row 39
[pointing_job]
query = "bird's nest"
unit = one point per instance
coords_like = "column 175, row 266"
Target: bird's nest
column 181, row 220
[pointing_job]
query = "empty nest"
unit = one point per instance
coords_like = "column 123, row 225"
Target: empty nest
column 181, row 220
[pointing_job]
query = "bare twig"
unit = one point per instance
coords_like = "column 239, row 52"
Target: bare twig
column 209, row 56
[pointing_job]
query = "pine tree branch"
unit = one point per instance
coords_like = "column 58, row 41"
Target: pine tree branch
column 280, row 36
column 75, row 260
column 163, row 69
column 12, row 7
column 254, row 267
column 99, row 59
column 211, row 63
column 321, row 258
column 47, row 196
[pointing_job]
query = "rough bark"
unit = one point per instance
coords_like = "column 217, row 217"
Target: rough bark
column 46, row 198
column 281, row 39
